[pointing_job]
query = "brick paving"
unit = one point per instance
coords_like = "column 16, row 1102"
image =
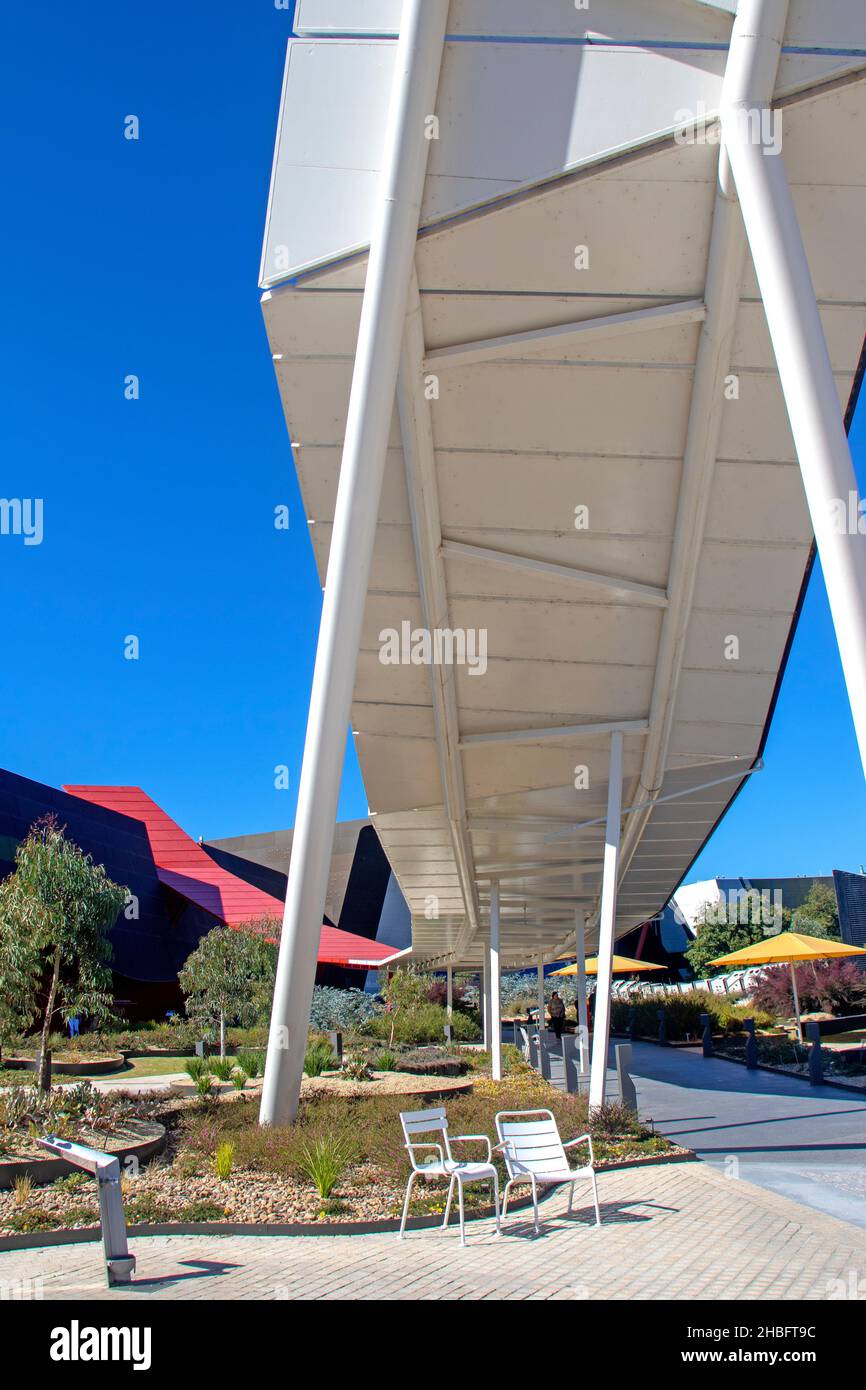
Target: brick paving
column 679, row 1231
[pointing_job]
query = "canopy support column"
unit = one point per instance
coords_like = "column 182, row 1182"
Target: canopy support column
column 540, row 984
column 754, row 151
column 582, row 1013
column 607, row 923
column 495, row 986
column 449, row 991
column 485, row 1002
column 371, row 409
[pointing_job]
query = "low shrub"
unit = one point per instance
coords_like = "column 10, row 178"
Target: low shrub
column 318, row 1058
column 827, row 986
column 385, row 1061
column 201, row 1210
column 224, row 1159
column 345, row 1010
column 325, row 1160
column 424, row 1024
column 251, row 1062
column 222, row 1069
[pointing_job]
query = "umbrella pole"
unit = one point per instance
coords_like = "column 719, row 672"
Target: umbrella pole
column 796, row 1003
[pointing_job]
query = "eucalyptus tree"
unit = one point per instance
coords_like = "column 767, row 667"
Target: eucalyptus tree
column 229, row 977
column 56, row 910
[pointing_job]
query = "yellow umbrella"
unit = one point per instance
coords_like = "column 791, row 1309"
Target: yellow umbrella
column 622, row 965
column 786, row 948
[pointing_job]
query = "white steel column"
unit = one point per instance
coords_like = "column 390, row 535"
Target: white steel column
column 607, row 922
column 371, row 407
column 803, row 361
column 485, row 1003
column 494, row 976
column 449, row 992
column 540, row 983
column 582, row 1015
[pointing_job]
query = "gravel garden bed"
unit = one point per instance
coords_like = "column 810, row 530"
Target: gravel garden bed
column 341, row 1163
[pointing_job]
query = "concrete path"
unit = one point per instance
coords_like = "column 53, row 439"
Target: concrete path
column 807, row 1142
column 680, row 1231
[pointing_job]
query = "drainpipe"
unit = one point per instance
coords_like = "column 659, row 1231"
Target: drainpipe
column 371, row 406
column 754, row 149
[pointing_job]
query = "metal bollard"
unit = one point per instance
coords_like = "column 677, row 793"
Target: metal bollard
column 448, row 1030
column 534, row 1049
column 544, row 1059
column 627, row 1092
column 707, row 1040
column 663, row 1026
column 816, row 1061
column 751, row 1044
column 335, row 1038
column 570, row 1066
column 119, row 1263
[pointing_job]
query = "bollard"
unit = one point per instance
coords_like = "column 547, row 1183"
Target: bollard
column 335, row 1038
column 201, row 1049
column 663, row 1026
column 751, row 1044
column 534, row 1049
column 119, row 1264
column 707, row 1039
column 816, row 1061
column 515, row 1028
column 448, row 1030
column 544, row 1059
column 570, row 1064
column 627, row 1092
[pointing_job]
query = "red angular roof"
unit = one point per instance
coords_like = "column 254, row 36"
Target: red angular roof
column 185, row 867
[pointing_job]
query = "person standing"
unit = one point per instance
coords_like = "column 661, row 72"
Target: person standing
column 556, row 1009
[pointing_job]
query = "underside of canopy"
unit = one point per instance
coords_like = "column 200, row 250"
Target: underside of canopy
column 545, row 491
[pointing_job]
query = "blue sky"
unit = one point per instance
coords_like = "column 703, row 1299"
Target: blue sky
column 142, row 257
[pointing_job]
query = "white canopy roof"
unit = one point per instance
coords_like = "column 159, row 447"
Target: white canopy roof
column 534, row 489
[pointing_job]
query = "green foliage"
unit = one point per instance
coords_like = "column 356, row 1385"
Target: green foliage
column 228, row 978
column 201, row 1210
column 196, row 1067
column 818, row 914
column 683, row 1014
column 222, row 1067
column 718, row 939
column 224, row 1159
column 56, row 911
column 250, row 1061
column 342, row 1009
column 325, row 1160
column 318, row 1058
column 239, row 1078
column 385, row 1061
column 423, row 1024
column 356, row 1070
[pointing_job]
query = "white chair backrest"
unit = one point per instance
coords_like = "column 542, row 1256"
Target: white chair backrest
column 419, row 1125
column 532, row 1142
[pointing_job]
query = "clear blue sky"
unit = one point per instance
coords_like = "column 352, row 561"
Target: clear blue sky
column 142, row 257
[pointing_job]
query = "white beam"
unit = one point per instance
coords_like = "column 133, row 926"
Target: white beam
column 803, row 359
column 546, row 569
column 540, row 998
column 416, row 428
column 392, row 249
column 607, row 925
column 493, row 971
column 749, row 75
column 622, row 726
column 566, row 335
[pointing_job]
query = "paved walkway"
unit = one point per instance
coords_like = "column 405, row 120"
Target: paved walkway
column 806, row 1142
column 669, row 1232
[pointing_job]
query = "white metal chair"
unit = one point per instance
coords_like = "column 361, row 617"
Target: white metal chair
column 534, row 1152
column 417, row 1122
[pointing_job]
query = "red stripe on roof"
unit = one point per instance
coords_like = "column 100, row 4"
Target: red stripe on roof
column 187, row 869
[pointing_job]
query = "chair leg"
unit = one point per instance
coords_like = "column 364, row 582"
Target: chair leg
column 495, row 1184
column 505, row 1197
column 570, row 1196
column 448, row 1203
column 595, row 1200
column 410, row 1184
column 462, row 1220
column 535, row 1206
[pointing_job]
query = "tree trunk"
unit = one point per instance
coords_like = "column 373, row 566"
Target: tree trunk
column 222, row 1035
column 44, row 1070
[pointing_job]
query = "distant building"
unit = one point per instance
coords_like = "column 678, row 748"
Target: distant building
column 179, row 890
